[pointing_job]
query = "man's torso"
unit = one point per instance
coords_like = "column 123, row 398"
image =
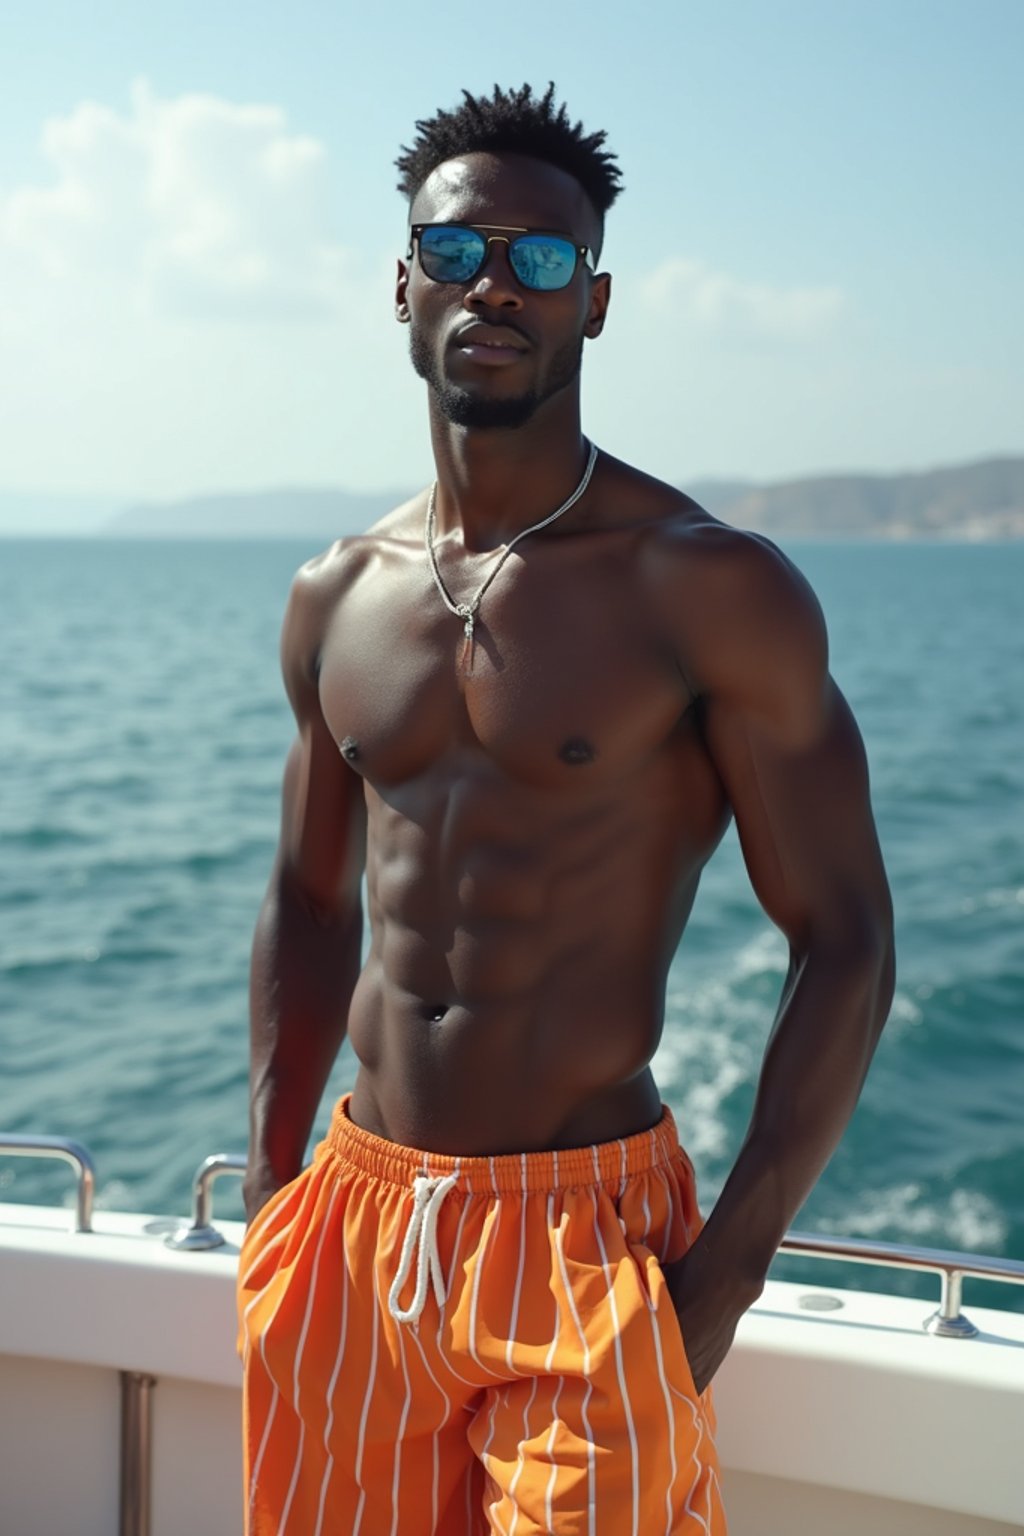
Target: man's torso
column 536, row 825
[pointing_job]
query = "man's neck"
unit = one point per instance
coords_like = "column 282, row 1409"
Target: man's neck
column 493, row 483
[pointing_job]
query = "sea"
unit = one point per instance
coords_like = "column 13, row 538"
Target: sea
column 144, row 727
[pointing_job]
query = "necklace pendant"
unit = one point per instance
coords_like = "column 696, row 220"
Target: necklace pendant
column 466, row 614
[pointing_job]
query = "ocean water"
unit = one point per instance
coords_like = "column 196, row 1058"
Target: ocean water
column 144, row 729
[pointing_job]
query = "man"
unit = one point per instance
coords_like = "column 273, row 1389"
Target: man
column 534, row 695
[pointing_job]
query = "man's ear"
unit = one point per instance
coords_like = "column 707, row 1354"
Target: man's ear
column 600, row 297
column 401, row 288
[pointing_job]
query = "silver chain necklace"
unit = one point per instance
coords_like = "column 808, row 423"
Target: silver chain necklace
column 467, row 611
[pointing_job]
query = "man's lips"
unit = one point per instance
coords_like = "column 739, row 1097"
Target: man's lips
column 490, row 344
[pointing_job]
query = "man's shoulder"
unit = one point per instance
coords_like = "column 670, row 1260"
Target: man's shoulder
column 734, row 604
column 681, row 537
column 322, row 580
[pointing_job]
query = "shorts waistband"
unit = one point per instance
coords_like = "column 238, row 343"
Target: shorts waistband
column 606, row 1162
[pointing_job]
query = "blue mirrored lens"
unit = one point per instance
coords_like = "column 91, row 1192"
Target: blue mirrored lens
column 545, row 262
column 450, row 253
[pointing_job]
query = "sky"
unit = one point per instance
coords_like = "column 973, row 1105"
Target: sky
column 816, row 261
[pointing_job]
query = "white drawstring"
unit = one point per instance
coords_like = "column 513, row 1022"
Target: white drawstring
column 428, row 1197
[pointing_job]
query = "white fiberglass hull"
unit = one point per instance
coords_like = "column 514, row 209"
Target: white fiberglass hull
column 834, row 1422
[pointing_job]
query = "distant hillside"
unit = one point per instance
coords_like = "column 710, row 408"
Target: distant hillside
column 970, row 501
column 322, row 514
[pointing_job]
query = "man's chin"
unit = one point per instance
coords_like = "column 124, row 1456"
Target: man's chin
column 463, row 409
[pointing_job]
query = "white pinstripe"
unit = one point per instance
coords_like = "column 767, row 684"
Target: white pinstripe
column 651, row 1170
column 254, row 1472
column 458, row 1234
column 669, row 1215
column 444, row 1420
column 669, row 1390
column 485, row 1452
column 451, row 1280
column 403, row 1421
column 619, row 1368
column 698, row 1420
column 713, row 1483
column 303, row 1332
column 670, row 1415
column 695, row 1458
column 475, row 1294
column 549, row 1358
column 435, row 1454
column 622, row 1168
column 521, row 1461
column 258, row 1227
column 548, row 1362
column 328, row 1426
column 552, row 1476
column 591, row 1469
column 366, row 1409
column 519, row 1276
column 647, row 1214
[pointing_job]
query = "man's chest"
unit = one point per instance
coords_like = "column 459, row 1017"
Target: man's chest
column 568, row 676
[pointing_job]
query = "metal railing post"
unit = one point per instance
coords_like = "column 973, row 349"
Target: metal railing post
column 202, row 1233
column 69, row 1151
column 948, row 1322
column 136, row 1495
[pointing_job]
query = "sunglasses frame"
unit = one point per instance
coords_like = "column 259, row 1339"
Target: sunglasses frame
column 504, row 231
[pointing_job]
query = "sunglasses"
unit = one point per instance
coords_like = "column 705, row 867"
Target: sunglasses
column 454, row 253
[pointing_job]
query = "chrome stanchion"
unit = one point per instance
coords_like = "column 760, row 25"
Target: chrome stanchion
column 136, row 1496
column 202, row 1233
column 948, row 1322
column 69, row 1151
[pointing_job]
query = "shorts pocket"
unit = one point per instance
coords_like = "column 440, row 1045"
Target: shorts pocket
column 684, row 1371
column 674, row 1359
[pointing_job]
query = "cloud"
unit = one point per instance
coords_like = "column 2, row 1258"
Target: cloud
column 177, row 314
column 191, row 207
column 715, row 303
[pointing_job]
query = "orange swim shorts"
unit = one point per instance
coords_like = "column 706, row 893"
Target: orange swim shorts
column 443, row 1346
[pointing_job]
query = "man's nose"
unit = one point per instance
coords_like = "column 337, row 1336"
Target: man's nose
column 495, row 284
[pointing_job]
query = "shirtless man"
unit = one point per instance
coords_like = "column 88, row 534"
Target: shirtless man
column 468, row 1314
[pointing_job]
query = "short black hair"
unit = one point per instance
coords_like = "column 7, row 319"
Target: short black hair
column 519, row 123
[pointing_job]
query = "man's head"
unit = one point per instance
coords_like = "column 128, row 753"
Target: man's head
column 497, row 329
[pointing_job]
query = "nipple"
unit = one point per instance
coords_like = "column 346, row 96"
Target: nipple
column 577, row 750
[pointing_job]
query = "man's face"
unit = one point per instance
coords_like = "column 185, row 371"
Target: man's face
column 492, row 350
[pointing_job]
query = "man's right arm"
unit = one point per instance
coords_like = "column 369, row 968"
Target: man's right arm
column 306, row 949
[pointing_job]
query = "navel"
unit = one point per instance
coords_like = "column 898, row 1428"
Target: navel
column 577, row 750
column 350, row 749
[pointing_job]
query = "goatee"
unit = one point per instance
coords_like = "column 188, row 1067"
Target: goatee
column 465, row 409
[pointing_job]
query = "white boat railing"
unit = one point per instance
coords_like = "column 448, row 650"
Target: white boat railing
column 952, row 1268
column 948, row 1321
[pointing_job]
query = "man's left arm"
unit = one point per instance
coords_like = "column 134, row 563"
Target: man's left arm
column 788, row 751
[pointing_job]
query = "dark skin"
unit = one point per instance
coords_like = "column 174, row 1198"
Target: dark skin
column 533, row 830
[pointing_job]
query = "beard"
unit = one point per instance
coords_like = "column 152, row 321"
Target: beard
column 465, row 409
